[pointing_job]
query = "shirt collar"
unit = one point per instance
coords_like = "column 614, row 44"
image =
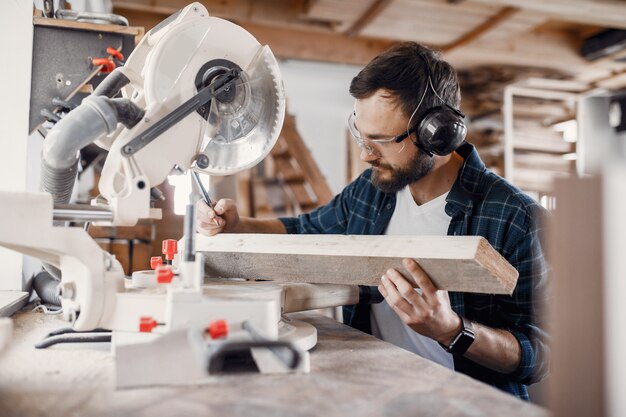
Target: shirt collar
column 467, row 187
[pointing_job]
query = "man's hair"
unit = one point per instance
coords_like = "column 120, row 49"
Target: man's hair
column 402, row 71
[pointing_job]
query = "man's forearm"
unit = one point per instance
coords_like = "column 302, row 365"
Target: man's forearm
column 495, row 349
column 251, row 225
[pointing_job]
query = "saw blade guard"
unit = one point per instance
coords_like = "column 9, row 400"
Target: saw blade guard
column 234, row 131
column 240, row 126
column 243, row 123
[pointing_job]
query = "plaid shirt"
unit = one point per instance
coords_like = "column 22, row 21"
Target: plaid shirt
column 482, row 204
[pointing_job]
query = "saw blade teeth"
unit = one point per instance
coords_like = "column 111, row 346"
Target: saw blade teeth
column 279, row 91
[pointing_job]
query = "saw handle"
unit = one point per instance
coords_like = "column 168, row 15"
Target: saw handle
column 217, row 353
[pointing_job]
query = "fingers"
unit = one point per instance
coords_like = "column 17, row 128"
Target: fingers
column 397, row 303
column 209, row 229
column 225, row 205
column 428, row 313
column 206, row 214
column 420, row 277
column 207, row 221
column 400, row 289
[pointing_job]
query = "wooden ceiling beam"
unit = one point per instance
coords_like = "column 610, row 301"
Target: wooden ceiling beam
column 370, row 14
column 289, row 43
column 606, row 13
column 487, row 25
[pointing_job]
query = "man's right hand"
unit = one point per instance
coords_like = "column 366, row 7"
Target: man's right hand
column 224, row 218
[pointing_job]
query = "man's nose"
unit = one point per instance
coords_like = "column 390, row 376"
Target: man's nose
column 366, row 156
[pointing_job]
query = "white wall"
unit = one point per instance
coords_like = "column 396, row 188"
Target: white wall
column 317, row 95
column 16, row 38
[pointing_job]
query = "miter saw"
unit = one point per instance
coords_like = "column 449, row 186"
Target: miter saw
column 198, row 93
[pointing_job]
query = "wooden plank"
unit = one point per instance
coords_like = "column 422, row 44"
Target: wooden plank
column 575, row 262
column 429, row 22
column 144, row 230
column 302, row 196
column 543, row 161
column 454, row 263
column 607, row 13
column 97, row 27
column 136, row 31
column 140, row 256
column 376, row 8
column 533, row 49
column 292, row 43
column 286, row 171
column 343, row 12
column 121, row 250
column 486, row 26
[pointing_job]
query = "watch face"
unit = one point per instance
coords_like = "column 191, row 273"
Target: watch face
column 462, row 342
column 464, row 339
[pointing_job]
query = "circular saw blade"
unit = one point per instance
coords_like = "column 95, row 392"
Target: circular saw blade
column 239, row 133
column 243, row 125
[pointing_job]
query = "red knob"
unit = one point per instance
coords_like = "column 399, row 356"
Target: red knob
column 169, row 248
column 164, row 274
column 115, row 53
column 155, row 262
column 146, row 324
column 218, row 329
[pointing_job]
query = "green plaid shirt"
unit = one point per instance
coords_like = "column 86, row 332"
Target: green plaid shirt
column 480, row 203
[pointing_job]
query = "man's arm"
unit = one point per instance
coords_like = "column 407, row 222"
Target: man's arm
column 430, row 314
column 495, row 349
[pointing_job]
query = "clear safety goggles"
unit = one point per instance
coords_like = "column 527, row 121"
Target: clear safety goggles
column 378, row 147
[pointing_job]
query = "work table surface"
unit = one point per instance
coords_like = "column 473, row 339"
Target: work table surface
column 352, row 374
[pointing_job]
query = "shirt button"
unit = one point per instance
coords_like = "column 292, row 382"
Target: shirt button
column 388, row 206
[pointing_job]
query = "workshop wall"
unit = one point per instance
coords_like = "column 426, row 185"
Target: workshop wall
column 317, row 95
column 16, row 36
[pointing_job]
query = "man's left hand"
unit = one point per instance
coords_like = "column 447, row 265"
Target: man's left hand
column 428, row 313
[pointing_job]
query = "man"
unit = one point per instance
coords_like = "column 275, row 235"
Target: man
column 426, row 180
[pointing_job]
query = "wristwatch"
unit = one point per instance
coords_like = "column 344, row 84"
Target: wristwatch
column 463, row 340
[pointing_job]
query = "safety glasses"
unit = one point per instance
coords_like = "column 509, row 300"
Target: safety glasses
column 378, row 147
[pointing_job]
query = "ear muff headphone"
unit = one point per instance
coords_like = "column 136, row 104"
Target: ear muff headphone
column 441, row 129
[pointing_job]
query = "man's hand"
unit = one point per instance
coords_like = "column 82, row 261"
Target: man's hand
column 224, row 218
column 428, row 313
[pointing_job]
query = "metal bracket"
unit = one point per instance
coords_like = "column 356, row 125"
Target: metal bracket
column 220, row 84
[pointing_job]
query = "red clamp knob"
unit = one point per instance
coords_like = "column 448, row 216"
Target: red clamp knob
column 218, row 329
column 155, row 262
column 115, row 53
column 146, row 324
column 164, row 274
column 107, row 64
column 169, row 248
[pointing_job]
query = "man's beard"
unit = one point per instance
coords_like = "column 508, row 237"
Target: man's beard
column 415, row 170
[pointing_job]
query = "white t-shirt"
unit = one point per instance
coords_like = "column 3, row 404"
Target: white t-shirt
column 411, row 219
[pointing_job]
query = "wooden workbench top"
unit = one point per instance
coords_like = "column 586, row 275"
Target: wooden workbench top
column 352, row 374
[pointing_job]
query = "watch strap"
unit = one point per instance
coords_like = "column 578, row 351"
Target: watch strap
column 463, row 340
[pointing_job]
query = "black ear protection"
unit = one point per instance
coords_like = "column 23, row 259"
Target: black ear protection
column 441, row 130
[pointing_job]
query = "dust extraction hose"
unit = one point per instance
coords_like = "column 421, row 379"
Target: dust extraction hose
column 45, row 286
column 97, row 116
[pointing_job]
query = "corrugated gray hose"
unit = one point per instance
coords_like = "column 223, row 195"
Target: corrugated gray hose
column 46, row 288
column 97, row 116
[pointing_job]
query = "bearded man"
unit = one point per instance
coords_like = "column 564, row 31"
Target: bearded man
column 425, row 179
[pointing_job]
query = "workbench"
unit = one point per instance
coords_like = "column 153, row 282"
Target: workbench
column 352, row 373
